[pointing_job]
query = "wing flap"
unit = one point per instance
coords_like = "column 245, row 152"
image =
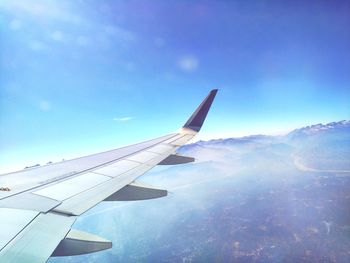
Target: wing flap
column 79, row 204
column 13, row 221
column 29, row 201
column 35, row 243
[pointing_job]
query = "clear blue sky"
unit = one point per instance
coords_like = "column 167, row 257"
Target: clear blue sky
column 83, row 76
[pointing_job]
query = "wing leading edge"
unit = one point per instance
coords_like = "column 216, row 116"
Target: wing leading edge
column 56, row 194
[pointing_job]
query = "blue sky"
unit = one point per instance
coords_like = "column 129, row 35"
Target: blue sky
column 78, row 77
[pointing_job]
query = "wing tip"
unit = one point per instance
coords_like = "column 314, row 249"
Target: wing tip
column 197, row 119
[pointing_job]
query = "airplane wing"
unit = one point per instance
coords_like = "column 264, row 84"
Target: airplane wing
column 38, row 206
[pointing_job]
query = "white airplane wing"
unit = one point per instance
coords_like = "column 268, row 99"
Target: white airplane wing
column 39, row 205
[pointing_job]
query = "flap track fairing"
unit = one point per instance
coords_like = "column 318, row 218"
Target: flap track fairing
column 176, row 159
column 79, row 243
column 136, row 192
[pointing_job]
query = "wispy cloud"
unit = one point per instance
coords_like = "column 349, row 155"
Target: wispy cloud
column 65, row 15
column 40, row 9
column 123, row 119
column 188, row 63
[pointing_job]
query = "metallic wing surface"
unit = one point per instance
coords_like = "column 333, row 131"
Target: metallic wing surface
column 38, row 206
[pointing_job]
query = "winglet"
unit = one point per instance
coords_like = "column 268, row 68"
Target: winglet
column 195, row 122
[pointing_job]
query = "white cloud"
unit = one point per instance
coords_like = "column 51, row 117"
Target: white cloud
column 15, row 24
column 123, row 119
column 39, row 9
column 57, row 35
column 188, row 63
column 45, row 105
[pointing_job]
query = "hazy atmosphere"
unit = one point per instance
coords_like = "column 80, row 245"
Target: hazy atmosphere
column 79, row 77
column 271, row 178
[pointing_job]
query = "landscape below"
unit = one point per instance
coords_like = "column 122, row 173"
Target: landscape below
column 251, row 199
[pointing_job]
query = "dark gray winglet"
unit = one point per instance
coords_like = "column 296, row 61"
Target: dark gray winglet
column 195, row 122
